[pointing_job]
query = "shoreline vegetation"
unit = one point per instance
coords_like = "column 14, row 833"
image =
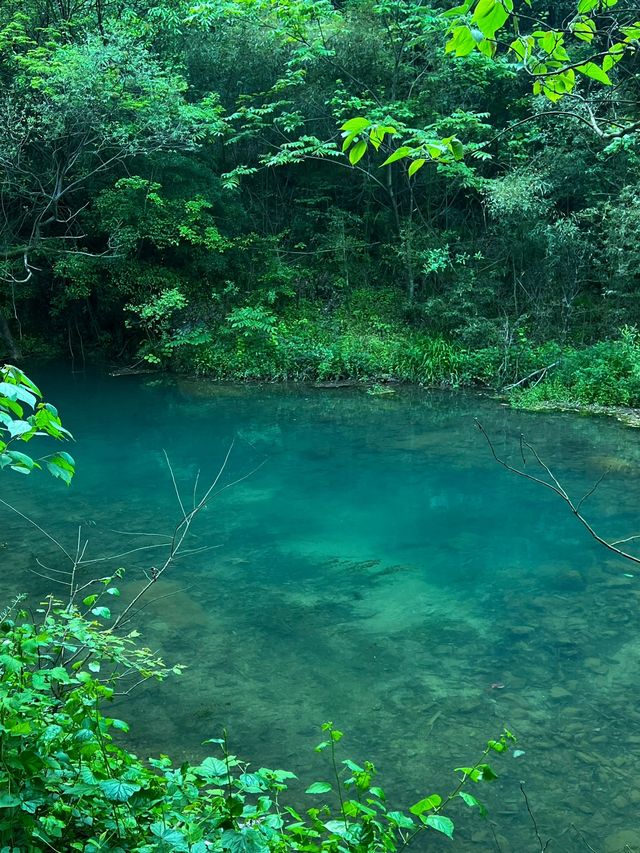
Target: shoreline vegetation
column 598, row 379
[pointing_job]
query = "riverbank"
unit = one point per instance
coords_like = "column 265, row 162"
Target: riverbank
column 380, row 351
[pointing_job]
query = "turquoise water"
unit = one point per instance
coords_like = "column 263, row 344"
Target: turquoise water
column 377, row 569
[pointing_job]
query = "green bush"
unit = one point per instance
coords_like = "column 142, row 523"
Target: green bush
column 606, row 373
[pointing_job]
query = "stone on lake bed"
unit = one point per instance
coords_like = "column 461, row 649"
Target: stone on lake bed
column 596, row 665
column 522, row 631
column 570, row 580
column 623, row 841
column 558, row 692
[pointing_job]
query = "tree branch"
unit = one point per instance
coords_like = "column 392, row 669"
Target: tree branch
column 556, row 487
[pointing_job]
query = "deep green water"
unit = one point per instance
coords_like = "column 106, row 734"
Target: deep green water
column 378, row 570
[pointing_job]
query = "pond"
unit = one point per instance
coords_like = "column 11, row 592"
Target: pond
column 375, row 568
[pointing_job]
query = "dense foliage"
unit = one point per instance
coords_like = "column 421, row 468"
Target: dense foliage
column 314, row 190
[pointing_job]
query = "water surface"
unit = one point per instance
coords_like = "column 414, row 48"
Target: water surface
column 377, row 569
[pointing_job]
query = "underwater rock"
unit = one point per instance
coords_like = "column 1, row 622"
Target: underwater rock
column 623, row 841
column 522, row 631
column 570, row 580
column 558, row 692
column 596, row 665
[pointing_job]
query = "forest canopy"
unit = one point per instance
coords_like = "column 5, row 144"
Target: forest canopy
column 247, row 188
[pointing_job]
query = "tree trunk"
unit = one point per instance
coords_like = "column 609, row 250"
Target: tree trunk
column 9, row 348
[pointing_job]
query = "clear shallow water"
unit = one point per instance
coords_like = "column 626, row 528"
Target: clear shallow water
column 378, row 570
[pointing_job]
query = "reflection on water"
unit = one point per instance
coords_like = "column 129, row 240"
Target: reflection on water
column 377, row 570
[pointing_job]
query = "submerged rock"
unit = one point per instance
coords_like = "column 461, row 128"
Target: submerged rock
column 570, row 580
column 558, row 692
column 623, row 841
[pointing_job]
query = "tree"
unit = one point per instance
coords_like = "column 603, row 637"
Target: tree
column 73, row 116
column 570, row 52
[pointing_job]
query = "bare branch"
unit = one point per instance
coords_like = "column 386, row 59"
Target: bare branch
column 556, row 487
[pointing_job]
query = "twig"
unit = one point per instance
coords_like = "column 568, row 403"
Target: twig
column 38, row 528
column 558, row 489
column 583, row 839
column 540, row 373
column 544, row 846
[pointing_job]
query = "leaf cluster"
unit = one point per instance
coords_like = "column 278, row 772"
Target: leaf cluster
column 18, row 396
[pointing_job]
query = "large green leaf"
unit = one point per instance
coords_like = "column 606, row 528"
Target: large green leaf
column 118, row 791
column 590, row 69
column 355, row 124
column 426, row 804
column 489, row 16
column 318, row 788
column 244, row 841
column 440, row 823
column 172, row 838
column 212, row 767
column 462, row 41
column 398, row 154
column 357, row 152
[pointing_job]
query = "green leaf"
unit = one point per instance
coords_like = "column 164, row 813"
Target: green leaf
column 319, row 788
column 400, row 820
column 348, row 140
column 472, row 802
column 398, row 154
column 20, row 461
column 59, row 673
column 486, row 773
column 102, row 612
column 357, row 152
column 245, row 840
column 458, row 10
column 171, row 837
column 10, row 664
column 212, row 767
column 590, row 69
column 472, row 772
column 461, row 42
column 415, row 165
column 425, row 805
column 613, row 56
column 61, row 465
column 9, row 801
column 457, row 149
column 584, row 29
column 440, row 823
column 16, row 392
column 18, row 428
column 489, row 16
column 355, row 124
column 118, row 791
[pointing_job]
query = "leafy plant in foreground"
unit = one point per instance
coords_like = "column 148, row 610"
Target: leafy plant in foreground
column 18, row 394
column 66, row 785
